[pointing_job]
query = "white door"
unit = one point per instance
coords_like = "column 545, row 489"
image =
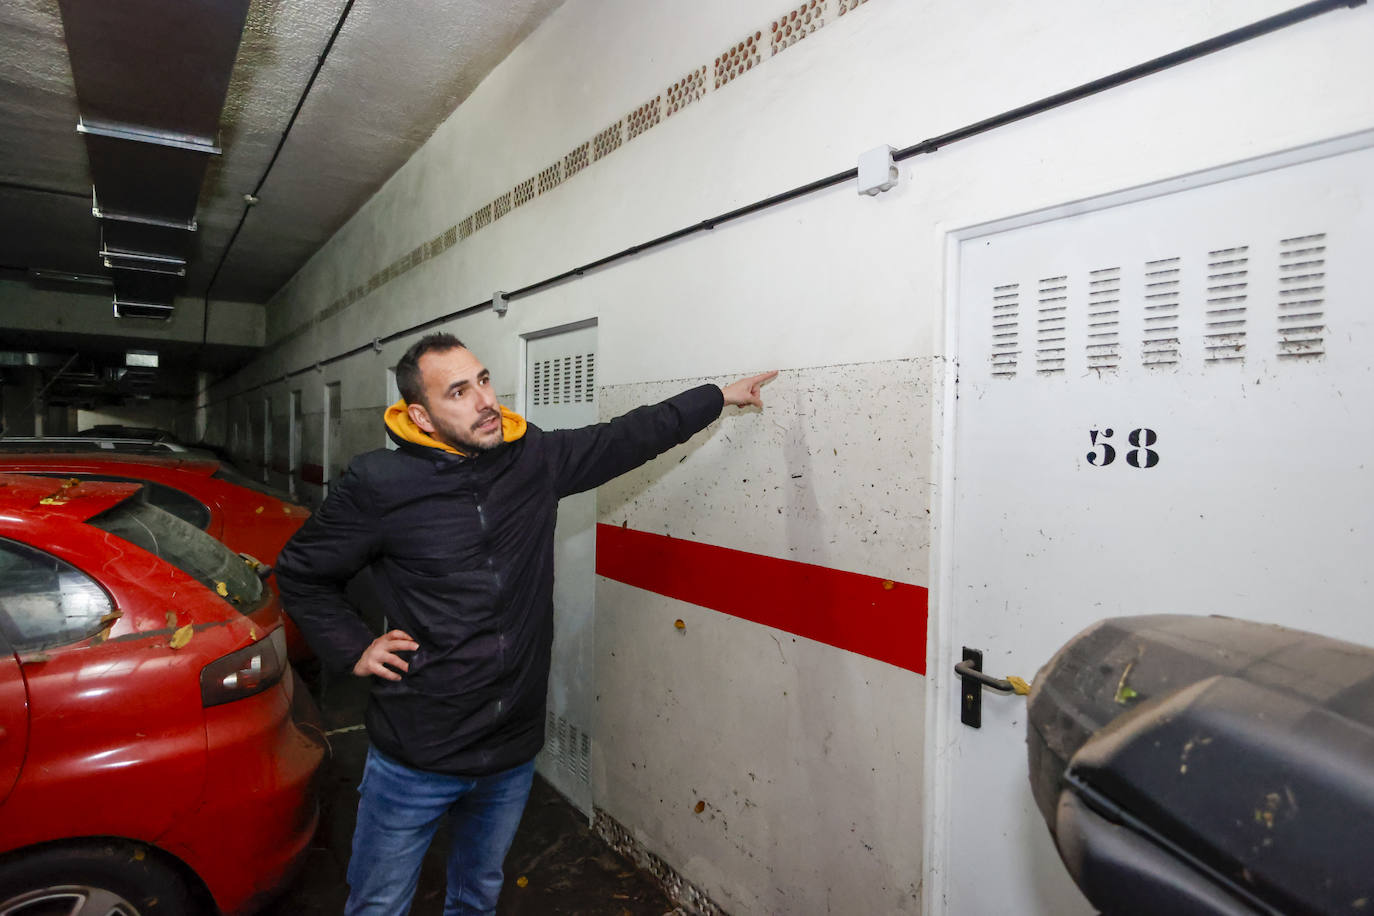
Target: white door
column 560, row 392
column 1163, row 405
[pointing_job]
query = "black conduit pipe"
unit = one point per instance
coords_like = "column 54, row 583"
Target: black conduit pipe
column 1165, row 62
column 300, row 103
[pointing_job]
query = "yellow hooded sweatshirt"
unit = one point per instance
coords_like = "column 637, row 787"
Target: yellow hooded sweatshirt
column 399, row 422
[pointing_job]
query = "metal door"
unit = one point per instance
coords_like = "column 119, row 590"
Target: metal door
column 560, row 392
column 1163, row 404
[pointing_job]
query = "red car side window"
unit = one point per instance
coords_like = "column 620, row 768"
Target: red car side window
column 45, row 601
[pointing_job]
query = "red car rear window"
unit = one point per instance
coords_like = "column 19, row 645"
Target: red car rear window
column 186, row 547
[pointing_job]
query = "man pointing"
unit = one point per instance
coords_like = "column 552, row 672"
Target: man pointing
column 456, row 526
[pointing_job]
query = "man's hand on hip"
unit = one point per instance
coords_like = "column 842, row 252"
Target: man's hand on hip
column 382, row 653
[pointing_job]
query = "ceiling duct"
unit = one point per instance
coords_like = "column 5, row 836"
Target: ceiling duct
column 151, row 79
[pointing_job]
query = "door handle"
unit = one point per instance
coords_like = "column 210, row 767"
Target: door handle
column 966, row 669
column 972, row 680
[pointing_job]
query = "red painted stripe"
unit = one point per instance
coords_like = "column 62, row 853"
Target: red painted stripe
column 874, row 617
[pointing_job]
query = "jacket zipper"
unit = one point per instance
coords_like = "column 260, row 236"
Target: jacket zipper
column 496, row 574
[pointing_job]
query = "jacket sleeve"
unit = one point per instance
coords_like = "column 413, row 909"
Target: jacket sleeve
column 588, row 457
column 314, row 568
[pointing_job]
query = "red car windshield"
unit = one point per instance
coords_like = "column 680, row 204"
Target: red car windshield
column 186, row 547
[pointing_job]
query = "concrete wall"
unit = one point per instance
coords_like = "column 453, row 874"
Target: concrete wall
column 770, row 772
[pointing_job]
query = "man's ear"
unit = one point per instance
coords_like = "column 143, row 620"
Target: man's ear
column 420, row 417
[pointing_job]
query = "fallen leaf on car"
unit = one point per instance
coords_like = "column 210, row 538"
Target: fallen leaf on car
column 36, row 658
column 182, row 636
column 522, row 881
column 253, row 633
column 110, row 618
column 700, row 807
column 258, row 511
column 222, row 590
column 679, row 624
column 172, row 619
column 56, row 498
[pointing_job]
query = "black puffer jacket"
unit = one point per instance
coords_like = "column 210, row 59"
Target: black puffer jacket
column 461, row 555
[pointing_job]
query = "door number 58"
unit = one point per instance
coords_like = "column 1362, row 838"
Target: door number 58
column 1139, row 456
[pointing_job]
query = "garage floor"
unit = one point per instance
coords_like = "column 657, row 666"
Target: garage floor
column 568, row 870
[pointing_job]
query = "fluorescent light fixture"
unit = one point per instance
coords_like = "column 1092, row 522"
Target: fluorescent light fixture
column 143, row 358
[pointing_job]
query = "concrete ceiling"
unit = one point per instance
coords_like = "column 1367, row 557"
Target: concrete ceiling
column 396, row 69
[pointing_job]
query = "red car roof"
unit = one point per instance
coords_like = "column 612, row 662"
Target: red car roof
column 46, row 496
column 98, row 462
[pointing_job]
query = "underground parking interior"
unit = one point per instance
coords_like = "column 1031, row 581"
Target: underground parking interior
column 752, row 458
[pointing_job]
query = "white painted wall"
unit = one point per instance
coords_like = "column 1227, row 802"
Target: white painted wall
column 843, row 293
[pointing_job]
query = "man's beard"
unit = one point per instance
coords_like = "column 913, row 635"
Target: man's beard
column 467, row 440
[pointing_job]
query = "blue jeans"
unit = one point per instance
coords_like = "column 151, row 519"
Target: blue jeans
column 399, row 811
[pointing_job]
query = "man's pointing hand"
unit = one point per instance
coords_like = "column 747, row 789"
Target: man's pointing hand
column 746, row 392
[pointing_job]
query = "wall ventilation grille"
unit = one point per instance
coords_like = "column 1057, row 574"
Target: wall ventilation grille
column 644, row 117
column 577, row 160
column 1160, row 342
column 1051, row 318
column 563, row 380
column 524, row 192
column 481, row 218
column 500, row 206
column 796, row 24
column 686, row 91
column 550, row 178
column 568, row 746
column 1104, row 318
column 1227, row 289
column 608, row 141
column 1006, row 338
column 739, row 59
column 1302, row 297
column 688, row 897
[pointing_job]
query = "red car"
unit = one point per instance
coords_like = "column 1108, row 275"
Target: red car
column 247, row 516
column 157, row 753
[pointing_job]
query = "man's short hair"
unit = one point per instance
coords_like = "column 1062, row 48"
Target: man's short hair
column 408, row 369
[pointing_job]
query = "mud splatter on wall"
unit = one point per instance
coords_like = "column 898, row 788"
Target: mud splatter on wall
column 833, row 472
